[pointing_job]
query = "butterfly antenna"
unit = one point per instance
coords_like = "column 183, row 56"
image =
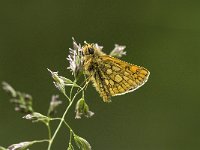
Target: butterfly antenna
column 85, row 43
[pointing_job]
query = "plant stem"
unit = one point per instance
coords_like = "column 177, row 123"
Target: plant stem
column 71, row 91
column 70, row 138
column 49, row 131
column 59, row 126
column 63, row 117
column 67, row 97
column 64, row 123
column 40, row 141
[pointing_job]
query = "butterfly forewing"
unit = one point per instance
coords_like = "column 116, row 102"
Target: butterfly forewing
column 121, row 77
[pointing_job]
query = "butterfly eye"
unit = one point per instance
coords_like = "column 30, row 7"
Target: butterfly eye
column 90, row 50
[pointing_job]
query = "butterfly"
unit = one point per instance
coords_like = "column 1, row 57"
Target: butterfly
column 111, row 76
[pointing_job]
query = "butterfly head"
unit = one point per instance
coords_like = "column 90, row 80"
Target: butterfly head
column 88, row 49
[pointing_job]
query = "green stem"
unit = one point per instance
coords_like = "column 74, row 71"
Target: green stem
column 70, row 138
column 71, row 91
column 70, row 129
column 59, row 126
column 63, row 117
column 64, row 123
column 49, row 130
column 40, row 141
column 67, row 96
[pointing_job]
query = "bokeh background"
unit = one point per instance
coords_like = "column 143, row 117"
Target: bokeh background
column 163, row 36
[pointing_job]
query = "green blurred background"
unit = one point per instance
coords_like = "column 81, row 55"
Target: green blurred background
column 163, row 36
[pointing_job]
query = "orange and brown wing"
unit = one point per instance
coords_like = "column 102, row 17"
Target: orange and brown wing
column 119, row 77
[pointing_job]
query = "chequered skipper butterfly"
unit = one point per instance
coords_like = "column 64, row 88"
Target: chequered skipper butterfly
column 111, row 76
